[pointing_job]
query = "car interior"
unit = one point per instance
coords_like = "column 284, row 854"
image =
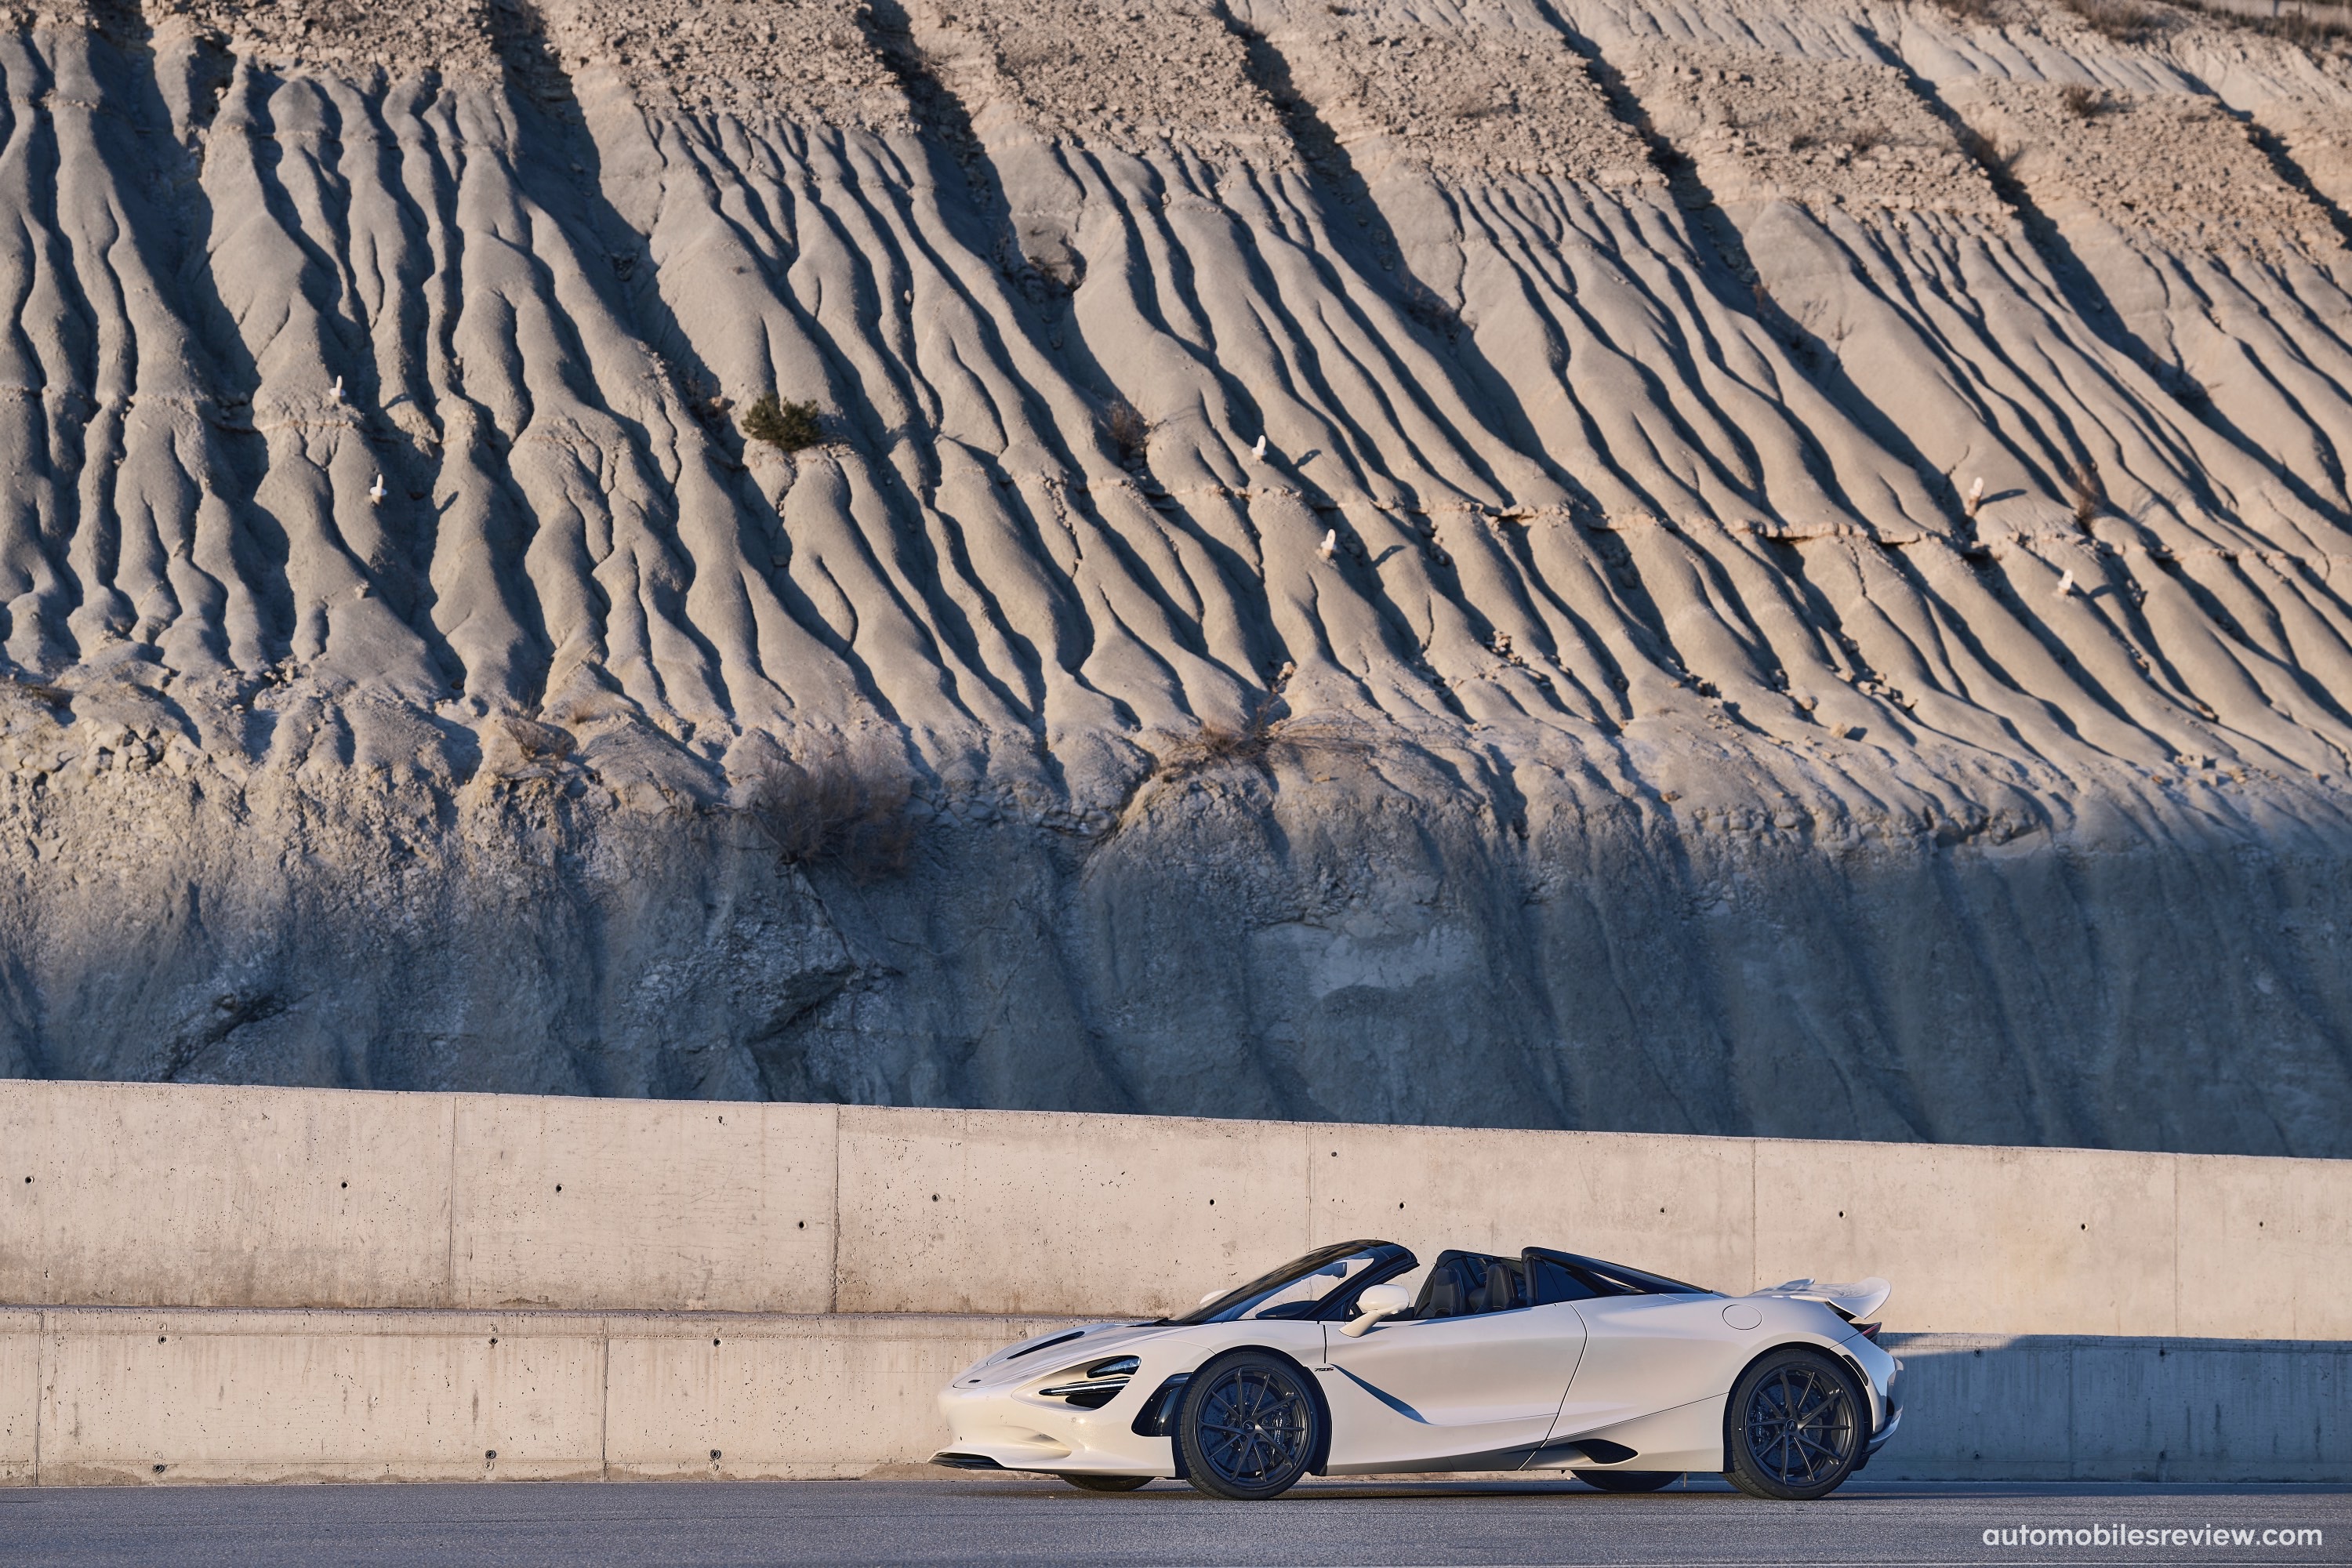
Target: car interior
column 1462, row 1284
column 1465, row 1284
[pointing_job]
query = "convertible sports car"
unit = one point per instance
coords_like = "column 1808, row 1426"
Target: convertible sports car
column 1546, row 1360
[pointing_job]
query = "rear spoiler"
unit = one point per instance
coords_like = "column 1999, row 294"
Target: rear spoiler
column 1857, row 1300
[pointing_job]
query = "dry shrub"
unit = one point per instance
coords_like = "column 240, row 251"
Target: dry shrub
column 1062, row 274
column 1428, row 307
column 539, row 742
column 1967, row 10
column 585, row 705
column 40, row 691
column 1214, row 746
column 2303, row 28
column 1252, row 745
column 2125, row 21
column 702, row 394
column 786, row 425
column 1998, row 159
column 1865, row 138
column 2309, row 27
column 829, row 811
column 1126, row 428
column 2086, row 493
column 2082, row 102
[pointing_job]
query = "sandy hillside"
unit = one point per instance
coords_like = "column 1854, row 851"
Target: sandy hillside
column 1726, row 565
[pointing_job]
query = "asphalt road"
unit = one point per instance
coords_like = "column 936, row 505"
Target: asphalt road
column 695, row 1524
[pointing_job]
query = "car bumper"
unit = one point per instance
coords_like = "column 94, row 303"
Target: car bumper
column 1884, row 1375
column 1889, row 1400
column 1015, row 1432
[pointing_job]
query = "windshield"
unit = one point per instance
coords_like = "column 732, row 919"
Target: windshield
column 1301, row 1287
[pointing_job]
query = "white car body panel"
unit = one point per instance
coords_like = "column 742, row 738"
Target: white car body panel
column 1649, row 1353
column 1450, row 1391
column 1508, row 1389
column 1658, row 1352
column 1683, row 1437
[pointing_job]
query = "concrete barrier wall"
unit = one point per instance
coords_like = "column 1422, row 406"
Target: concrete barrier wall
column 117, row 1395
column 126, row 1395
column 2080, row 1407
column 133, row 1194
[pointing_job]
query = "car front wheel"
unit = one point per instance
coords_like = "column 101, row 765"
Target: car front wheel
column 1795, row 1427
column 1250, row 1426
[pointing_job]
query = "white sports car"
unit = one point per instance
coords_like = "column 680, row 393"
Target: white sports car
column 1329, row 1365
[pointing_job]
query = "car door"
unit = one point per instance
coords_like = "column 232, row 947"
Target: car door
column 1476, row 1392
column 1643, row 1353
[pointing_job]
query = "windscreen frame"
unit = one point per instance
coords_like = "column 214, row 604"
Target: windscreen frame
column 1229, row 1307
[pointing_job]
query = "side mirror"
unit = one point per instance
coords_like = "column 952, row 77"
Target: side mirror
column 1377, row 1301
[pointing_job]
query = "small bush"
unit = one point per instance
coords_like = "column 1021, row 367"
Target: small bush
column 831, row 812
column 2086, row 493
column 39, row 691
column 786, row 425
column 1997, row 159
column 702, row 396
column 1253, row 745
column 1865, row 138
column 2125, row 21
column 1126, row 428
column 1428, row 307
column 537, row 742
column 1967, row 10
column 2303, row 28
column 1218, row 745
column 2082, row 102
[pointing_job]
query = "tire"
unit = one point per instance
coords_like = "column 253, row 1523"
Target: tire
column 1108, row 1483
column 1629, row 1480
column 1796, row 1427
column 1250, row 1426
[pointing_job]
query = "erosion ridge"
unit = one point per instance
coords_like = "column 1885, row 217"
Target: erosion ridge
column 1788, row 589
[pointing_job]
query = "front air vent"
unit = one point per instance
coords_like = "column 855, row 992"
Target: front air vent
column 1156, row 1419
column 1104, row 1382
column 1047, row 1344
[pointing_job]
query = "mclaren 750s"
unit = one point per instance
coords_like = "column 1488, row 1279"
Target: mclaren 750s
column 1331, row 1365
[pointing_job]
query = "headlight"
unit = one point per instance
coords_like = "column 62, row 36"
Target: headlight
column 1102, row 1384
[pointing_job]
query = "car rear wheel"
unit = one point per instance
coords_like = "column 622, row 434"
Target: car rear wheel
column 1108, row 1483
column 1250, row 1426
column 1795, row 1427
column 1629, row 1480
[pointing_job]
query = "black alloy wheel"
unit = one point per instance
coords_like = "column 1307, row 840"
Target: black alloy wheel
column 1795, row 1427
column 1629, row 1480
column 1108, row 1483
column 1250, row 1426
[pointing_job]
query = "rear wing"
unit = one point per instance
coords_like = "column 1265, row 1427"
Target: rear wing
column 1857, row 1300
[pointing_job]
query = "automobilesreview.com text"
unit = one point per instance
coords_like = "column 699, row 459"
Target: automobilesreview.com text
column 2154, row 1535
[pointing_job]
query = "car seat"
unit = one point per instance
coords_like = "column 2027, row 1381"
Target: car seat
column 1501, row 1291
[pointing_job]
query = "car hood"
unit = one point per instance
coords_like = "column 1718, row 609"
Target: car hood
column 1042, row 1352
column 1858, row 1299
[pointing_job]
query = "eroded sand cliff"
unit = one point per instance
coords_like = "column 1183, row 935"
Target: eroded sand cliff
column 1790, row 586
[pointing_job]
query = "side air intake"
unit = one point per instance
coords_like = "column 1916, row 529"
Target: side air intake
column 1601, row 1451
